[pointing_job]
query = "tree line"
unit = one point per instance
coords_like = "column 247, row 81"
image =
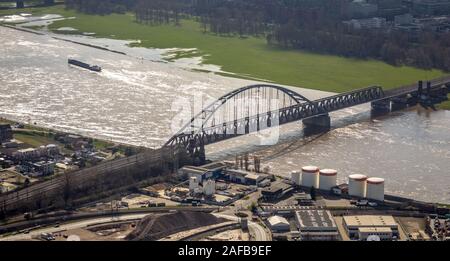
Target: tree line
column 312, row 25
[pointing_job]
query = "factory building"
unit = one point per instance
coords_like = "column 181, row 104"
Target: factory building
column 199, row 172
column 275, row 191
column 316, row 225
column 310, row 176
column 245, row 177
column 215, row 168
column 357, row 185
column 278, row 224
column 237, row 175
column 375, row 188
column 254, row 179
column 341, row 189
column 304, row 199
column 361, row 227
column 327, row 179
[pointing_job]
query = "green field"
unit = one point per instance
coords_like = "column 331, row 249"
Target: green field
column 250, row 57
column 445, row 105
column 33, row 139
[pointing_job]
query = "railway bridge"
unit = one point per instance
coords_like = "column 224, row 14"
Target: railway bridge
column 243, row 111
column 259, row 107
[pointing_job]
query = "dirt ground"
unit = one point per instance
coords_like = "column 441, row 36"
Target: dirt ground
column 412, row 226
column 86, row 235
column 140, row 200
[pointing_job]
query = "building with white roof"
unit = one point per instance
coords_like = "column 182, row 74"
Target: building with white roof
column 361, row 227
column 316, row 225
column 279, row 224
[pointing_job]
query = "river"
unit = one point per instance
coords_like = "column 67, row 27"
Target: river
column 136, row 96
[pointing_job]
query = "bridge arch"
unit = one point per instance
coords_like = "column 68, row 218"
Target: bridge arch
column 248, row 103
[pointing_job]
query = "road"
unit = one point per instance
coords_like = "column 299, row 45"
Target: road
column 73, row 225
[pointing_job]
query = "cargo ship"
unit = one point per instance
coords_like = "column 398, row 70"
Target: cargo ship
column 94, row 68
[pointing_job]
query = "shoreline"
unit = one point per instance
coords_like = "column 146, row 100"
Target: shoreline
column 50, row 130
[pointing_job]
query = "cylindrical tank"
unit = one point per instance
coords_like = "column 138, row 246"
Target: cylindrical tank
column 209, row 187
column 310, row 176
column 357, row 185
column 295, row 177
column 327, row 179
column 375, row 188
column 193, row 183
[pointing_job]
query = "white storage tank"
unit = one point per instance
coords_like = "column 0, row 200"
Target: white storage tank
column 209, row 187
column 375, row 188
column 357, row 185
column 310, row 176
column 327, row 179
column 193, row 183
column 295, row 177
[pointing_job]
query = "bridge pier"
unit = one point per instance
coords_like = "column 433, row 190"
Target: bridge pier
column 399, row 103
column 380, row 107
column 317, row 124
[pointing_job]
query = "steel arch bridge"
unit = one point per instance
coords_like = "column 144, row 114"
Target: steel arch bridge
column 255, row 108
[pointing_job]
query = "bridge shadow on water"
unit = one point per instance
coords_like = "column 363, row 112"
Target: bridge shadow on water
column 294, row 138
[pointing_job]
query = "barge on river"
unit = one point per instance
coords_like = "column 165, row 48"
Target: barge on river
column 94, row 68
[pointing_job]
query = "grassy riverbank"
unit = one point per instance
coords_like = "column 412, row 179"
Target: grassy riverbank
column 445, row 105
column 249, row 57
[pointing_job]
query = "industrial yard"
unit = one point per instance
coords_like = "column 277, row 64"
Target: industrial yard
column 237, row 201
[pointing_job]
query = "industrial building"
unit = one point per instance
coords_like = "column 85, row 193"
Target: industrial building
column 316, row 225
column 278, row 224
column 361, row 227
column 304, row 199
column 341, row 189
column 199, row 173
column 275, row 191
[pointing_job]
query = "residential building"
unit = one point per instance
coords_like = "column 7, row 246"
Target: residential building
column 361, row 8
column 369, row 23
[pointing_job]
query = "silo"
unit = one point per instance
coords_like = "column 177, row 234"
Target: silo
column 375, row 188
column 193, row 183
column 327, row 179
column 357, row 185
column 310, row 176
column 209, row 187
column 295, row 177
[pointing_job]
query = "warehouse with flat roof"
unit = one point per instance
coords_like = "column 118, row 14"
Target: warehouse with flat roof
column 316, row 224
column 361, row 227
